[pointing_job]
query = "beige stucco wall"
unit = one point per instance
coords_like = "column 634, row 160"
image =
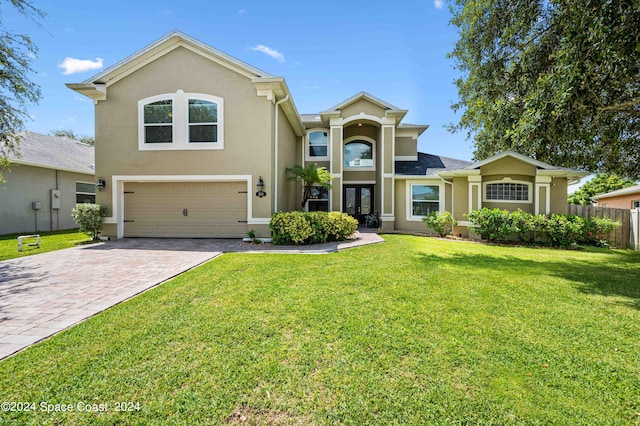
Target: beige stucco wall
column 403, row 221
column 289, row 148
column 248, row 126
column 559, row 192
column 406, row 147
column 25, row 184
column 362, row 105
column 460, row 198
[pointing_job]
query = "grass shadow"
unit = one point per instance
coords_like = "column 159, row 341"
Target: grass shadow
column 617, row 275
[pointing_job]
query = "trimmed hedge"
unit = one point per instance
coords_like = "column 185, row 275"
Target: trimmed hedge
column 311, row 227
column 556, row 230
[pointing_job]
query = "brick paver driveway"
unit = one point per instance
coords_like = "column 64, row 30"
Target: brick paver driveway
column 43, row 294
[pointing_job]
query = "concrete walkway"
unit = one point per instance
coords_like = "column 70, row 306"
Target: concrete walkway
column 43, row 294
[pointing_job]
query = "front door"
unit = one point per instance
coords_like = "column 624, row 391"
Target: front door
column 358, row 201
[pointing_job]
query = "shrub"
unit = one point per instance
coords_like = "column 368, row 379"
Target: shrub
column 89, row 217
column 563, row 230
column 524, row 225
column 598, row 230
column 311, row 227
column 556, row 230
column 290, row 228
column 491, row 224
column 442, row 223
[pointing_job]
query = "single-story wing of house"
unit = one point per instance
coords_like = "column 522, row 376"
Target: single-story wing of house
column 195, row 143
column 45, row 182
column 626, row 198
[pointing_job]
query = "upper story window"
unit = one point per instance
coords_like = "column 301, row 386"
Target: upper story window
column 513, row 192
column 317, row 145
column 358, row 154
column 180, row 121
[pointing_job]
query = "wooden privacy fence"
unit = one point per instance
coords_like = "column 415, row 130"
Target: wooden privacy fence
column 621, row 235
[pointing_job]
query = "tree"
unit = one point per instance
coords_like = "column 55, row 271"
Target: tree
column 600, row 184
column 89, row 140
column 311, row 177
column 557, row 80
column 16, row 90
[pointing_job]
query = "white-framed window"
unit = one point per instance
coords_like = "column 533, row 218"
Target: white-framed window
column 85, row 192
column 507, row 191
column 180, row 121
column 317, row 145
column 359, row 154
column 319, row 201
column 423, row 198
column 635, row 204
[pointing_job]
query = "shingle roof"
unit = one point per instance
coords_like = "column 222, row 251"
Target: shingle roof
column 429, row 164
column 55, row 152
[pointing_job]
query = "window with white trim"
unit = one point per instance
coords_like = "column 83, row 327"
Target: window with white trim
column 85, row 192
column 180, row 121
column 635, row 204
column 514, row 192
column 358, row 154
column 319, row 201
column 317, row 145
column 425, row 199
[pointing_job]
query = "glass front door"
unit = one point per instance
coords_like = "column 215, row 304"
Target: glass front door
column 358, row 201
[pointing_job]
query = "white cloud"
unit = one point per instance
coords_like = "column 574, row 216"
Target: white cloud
column 439, row 4
column 72, row 65
column 242, row 12
column 31, row 55
column 269, row 51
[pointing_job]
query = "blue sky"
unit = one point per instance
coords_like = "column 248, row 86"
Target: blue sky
column 326, row 50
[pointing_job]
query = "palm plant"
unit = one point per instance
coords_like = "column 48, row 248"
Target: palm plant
column 311, row 177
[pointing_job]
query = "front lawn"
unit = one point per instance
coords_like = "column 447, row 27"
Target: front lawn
column 49, row 241
column 412, row 331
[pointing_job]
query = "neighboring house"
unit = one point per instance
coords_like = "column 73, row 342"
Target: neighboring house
column 626, row 198
column 185, row 133
column 51, row 175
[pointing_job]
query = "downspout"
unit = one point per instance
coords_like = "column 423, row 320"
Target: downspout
column 275, row 157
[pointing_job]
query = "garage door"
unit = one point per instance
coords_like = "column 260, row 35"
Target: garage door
column 185, row 209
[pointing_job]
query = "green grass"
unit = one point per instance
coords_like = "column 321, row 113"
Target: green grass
column 411, row 331
column 49, row 241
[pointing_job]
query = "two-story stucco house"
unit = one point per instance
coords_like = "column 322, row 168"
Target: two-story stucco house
column 185, row 134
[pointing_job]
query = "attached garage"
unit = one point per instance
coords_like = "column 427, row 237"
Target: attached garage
column 185, row 209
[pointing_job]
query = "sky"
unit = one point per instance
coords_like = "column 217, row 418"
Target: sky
column 327, row 51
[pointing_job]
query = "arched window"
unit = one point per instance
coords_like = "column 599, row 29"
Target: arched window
column 358, row 154
column 178, row 121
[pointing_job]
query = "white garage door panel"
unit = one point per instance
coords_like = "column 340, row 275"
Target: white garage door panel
column 213, row 209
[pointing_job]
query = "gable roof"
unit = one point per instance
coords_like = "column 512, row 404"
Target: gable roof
column 523, row 158
column 624, row 191
column 363, row 95
column 53, row 152
column 429, row 164
column 166, row 44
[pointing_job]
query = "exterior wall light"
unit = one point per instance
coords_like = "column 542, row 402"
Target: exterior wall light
column 260, row 185
column 101, row 184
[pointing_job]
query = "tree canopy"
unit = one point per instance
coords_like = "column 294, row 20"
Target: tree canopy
column 310, row 177
column 600, row 184
column 89, row 140
column 556, row 80
column 16, row 90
